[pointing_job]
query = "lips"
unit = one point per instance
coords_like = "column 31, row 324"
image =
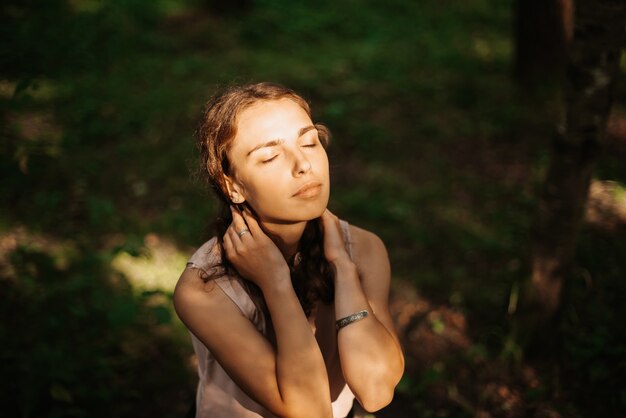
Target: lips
column 310, row 189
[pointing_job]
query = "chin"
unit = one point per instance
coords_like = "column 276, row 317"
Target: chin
column 298, row 212
column 319, row 213
column 300, row 215
column 319, row 208
column 309, row 215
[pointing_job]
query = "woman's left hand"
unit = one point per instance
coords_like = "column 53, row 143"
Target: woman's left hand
column 334, row 245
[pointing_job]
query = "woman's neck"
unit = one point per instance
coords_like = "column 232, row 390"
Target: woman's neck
column 285, row 236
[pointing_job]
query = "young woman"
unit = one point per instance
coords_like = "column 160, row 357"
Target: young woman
column 287, row 305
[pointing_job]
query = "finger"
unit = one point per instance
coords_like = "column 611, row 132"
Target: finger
column 325, row 218
column 235, row 236
column 239, row 236
column 332, row 229
column 252, row 222
column 238, row 221
column 239, row 226
column 329, row 220
column 328, row 214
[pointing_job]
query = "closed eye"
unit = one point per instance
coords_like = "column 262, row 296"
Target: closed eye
column 313, row 142
column 269, row 160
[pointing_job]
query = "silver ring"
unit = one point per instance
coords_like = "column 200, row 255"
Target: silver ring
column 243, row 232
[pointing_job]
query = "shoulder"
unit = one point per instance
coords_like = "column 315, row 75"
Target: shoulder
column 197, row 286
column 372, row 262
column 207, row 256
column 192, row 290
column 204, row 307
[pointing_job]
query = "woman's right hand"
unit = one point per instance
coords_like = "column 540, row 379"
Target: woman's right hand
column 289, row 377
column 252, row 252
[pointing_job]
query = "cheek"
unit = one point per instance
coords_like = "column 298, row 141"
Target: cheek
column 262, row 188
column 267, row 199
column 323, row 164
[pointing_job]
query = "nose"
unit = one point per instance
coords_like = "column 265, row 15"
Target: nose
column 301, row 164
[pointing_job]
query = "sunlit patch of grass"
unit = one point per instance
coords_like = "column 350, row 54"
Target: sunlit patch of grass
column 606, row 205
column 157, row 269
column 7, row 88
column 61, row 252
column 619, row 193
column 39, row 89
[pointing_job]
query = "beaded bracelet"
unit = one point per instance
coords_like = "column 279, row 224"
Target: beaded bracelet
column 350, row 319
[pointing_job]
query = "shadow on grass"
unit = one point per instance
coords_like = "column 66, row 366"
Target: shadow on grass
column 76, row 341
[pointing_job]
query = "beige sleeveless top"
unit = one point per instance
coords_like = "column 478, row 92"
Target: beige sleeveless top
column 218, row 396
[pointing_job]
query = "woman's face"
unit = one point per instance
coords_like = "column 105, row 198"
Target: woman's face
column 279, row 166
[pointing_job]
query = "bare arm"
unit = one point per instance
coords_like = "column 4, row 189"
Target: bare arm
column 370, row 353
column 290, row 380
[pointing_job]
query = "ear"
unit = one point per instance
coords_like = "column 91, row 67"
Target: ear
column 235, row 190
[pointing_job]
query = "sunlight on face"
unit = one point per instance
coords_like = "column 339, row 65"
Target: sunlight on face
column 280, row 168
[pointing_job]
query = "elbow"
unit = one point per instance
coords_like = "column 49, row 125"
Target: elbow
column 306, row 407
column 376, row 400
column 304, row 412
column 378, row 395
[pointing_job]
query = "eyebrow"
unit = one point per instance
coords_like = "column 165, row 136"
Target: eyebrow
column 275, row 142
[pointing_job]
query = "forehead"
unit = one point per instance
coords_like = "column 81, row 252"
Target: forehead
column 268, row 120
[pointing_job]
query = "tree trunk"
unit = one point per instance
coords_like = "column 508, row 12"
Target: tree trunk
column 543, row 31
column 591, row 75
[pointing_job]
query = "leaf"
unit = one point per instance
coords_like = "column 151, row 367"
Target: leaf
column 438, row 326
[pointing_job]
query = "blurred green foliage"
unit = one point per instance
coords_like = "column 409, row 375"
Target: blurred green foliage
column 433, row 148
column 78, row 342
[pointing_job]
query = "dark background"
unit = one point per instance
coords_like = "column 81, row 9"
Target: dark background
column 437, row 147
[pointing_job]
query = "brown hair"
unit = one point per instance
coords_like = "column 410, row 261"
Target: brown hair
column 311, row 275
